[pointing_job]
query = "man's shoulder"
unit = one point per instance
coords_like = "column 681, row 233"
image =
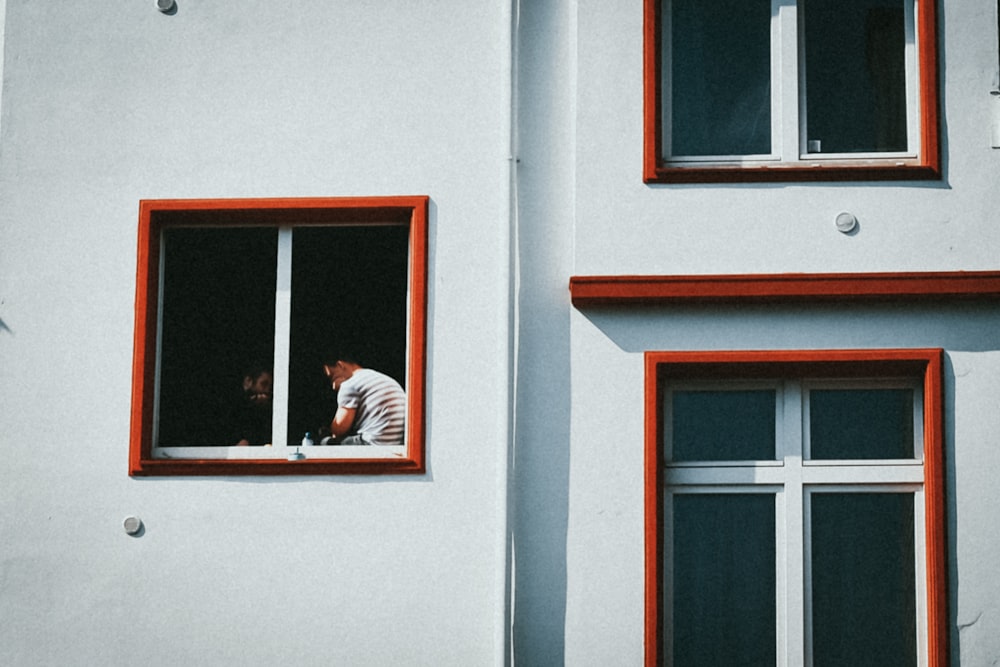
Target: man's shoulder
column 371, row 378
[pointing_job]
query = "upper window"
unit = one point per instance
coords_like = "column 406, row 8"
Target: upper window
column 795, row 508
column 786, row 90
column 280, row 336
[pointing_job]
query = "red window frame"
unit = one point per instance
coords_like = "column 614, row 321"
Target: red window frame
column 155, row 215
column 658, row 170
column 923, row 363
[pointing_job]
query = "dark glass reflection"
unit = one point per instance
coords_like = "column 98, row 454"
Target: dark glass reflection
column 723, row 425
column 718, row 56
column 861, row 424
column 217, row 324
column 863, row 580
column 855, row 75
column 349, row 290
column 723, row 574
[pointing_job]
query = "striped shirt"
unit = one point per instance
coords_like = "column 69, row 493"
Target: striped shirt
column 380, row 404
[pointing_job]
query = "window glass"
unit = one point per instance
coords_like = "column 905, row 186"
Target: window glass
column 863, row 579
column 349, row 292
column 855, row 76
column 217, row 325
column 720, row 74
column 861, row 424
column 723, row 579
column 723, row 425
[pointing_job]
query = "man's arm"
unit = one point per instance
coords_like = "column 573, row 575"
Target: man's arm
column 342, row 421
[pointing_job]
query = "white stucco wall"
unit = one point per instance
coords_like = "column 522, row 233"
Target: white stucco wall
column 108, row 103
column 621, row 226
column 104, row 104
column 606, row 531
column 624, row 226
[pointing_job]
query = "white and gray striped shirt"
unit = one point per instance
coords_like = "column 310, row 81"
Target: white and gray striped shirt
column 380, row 403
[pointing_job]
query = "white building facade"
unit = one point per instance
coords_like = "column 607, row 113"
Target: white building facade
column 592, row 291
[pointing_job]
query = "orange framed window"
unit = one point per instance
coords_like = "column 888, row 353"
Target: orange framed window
column 241, row 306
column 769, row 90
column 795, row 508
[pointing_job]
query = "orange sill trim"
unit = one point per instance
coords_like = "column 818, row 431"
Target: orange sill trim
column 588, row 291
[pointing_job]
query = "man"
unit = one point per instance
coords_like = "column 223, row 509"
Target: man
column 249, row 420
column 371, row 406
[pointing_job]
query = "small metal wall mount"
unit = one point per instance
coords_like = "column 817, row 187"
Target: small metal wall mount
column 133, row 526
column 846, row 222
column 166, row 6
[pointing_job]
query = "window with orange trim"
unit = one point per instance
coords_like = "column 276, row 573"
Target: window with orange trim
column 241, row 307
column 795, row 509
column 758, row 90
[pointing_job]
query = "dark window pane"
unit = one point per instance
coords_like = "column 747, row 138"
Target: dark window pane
column 864, row 599
column 217, row 324
column 861, row 424
column 723, row 425
column 349, row 290
column 723, row 580
column 855, row 75
column 719, row 63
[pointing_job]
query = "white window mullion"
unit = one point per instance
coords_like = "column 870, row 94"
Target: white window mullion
column 910, row 60
column 666, row 80
column 788, row 141
column 667, row 623
column 805, row 612
column 160, row 287
column 920, row 587
column 795, row 549
column 282, row 328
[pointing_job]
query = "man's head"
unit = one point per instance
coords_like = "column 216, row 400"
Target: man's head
column 338, row 371
column 339, row 363
column 258, row 386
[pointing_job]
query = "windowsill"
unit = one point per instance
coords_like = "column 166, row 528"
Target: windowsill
column 278, row 453
column 808, row 170
column 359, row 461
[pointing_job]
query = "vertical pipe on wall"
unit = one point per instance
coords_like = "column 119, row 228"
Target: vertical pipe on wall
column 3, row 33
column 503, row 631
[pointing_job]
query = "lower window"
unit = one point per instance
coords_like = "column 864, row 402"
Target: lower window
column 795, row 508
column 247, row 309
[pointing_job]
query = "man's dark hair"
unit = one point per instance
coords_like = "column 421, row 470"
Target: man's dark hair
column 332, row 355
column 255, row 370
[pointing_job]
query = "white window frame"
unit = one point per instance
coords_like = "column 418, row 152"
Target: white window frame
column 789, row 158
column 794, row 480
column 789, row 143
column 278, row 448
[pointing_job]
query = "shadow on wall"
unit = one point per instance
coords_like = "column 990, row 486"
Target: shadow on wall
column 806, row 327
column 544, row 201
column 540, row 484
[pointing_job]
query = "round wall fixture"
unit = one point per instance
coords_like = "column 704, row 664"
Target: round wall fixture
column 132, row 525
column 165, row 5
column 846, row 222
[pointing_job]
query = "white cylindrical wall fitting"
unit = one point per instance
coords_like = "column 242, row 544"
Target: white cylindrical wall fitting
column 846, row 222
